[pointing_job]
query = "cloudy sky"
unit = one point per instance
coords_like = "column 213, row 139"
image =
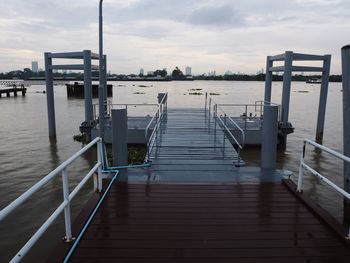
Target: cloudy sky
column 207, row 35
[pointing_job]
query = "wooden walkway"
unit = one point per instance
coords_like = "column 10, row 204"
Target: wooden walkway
column 207, row 223
column 202, row 215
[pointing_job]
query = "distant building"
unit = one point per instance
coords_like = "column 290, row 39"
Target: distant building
column 142, row 72
column 188, row 71
column 35, row 66
column 212, row 73
column 150, row 73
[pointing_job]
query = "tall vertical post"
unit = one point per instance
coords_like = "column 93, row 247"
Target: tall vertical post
column 50, row 97
column 120, row 139
column 105, row 90
column 269, row 137
column 345, row 52
column 101, row 74
column 268, row 79
column 88, row 86
column 287, row 79
column 323, row 98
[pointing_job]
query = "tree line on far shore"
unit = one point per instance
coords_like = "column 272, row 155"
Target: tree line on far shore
column 27, row 74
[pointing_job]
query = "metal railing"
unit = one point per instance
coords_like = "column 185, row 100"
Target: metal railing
column 157, row 117
column 110, row 106
column 303, row 166
column 223, row 120
column 213, row 110
column 67, row 196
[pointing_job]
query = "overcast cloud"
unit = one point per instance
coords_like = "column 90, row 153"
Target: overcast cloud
column 206, row 35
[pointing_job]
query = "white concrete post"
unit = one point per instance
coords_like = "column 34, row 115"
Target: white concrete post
column 323, row 99
column 269, row 138
column 346, row 124
column 120, row 139
column 268, row 80
column 88, row 86
column 50, row 96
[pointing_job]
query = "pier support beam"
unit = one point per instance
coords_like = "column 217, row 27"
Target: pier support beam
column 88, row 86
column 268, row 80
column 120, row 140
column 269, row 137
column 50, row 97
column 323, row 99
column 346, row 124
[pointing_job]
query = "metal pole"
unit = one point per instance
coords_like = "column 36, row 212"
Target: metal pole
column 88, row 86
column 67, row 219
column 98, row 186
column 105, row 90
column 346, row 125
column 269, row 137
column 287, row 79
column 268, row 79
column 101, row 74
column 50, row 97
column 323, row 99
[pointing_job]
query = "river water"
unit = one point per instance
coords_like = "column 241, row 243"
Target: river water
column 26, row 155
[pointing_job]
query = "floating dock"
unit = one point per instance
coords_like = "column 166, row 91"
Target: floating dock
column 77, row 90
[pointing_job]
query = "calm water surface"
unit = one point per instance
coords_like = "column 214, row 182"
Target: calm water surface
column 26, row 155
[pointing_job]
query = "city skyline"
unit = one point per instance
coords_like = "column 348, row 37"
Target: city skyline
column 224, row 35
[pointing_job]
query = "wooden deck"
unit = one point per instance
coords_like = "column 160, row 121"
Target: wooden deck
column 207, row 223
column 194, row 205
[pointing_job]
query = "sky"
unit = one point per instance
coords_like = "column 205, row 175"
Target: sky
column 206, row 35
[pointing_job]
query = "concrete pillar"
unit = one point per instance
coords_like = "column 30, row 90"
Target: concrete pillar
column 269, row 138
column 119, row 137
column 50, row 97
column 88, row 86
column 323, row 99
column 268, row 80
column 287, row 79
column 346, row 124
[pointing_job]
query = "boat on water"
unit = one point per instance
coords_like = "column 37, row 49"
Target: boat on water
column 314, row 81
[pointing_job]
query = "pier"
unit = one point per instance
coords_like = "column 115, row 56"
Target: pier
column 193, row 204
column 15, row 90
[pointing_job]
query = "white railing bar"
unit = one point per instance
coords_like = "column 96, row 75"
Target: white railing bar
column 24, row 250
column 67, row 218
column 83, row 181
column 240, row 129
column 327, row 181
column 14, row 204
column 330, row 151
column 227, row 129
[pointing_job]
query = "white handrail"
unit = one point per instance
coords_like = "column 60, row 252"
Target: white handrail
column 67, row 197
column 158, row 115
column 303, row 165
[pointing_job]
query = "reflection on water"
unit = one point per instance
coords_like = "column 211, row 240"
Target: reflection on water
column 26, row 154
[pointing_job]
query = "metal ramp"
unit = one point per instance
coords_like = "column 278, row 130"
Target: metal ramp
column 188, row 141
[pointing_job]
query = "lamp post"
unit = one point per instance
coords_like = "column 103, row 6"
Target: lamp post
column 101, row 88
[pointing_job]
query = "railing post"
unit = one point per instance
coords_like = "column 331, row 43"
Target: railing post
column 67, row 219
column 205, row 105
column 98, row 186
column 301, row 173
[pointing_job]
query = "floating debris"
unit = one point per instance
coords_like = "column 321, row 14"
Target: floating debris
column 143, row 86
column 138, row 92
column 195, row 93
column 195, row 89
column 214, row 94
column 121, row 85
column 83, row 137
column 302, row 91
